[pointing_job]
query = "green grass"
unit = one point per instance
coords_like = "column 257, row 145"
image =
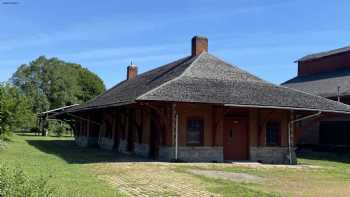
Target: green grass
column 328, row 174
column 335, row 165
column 73, row 171
column 58, row 159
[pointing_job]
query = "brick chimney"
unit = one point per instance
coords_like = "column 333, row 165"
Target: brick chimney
column 199, row 45
column 132, row 71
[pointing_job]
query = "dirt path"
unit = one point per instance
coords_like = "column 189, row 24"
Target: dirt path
column 149, row 179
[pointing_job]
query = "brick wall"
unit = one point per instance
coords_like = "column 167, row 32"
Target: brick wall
column 325, row 64
column 205, row 112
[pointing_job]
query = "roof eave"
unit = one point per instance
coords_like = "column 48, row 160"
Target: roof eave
column 101, row 106
column 287, row 108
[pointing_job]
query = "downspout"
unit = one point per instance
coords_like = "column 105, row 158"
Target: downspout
column 176, row 136
column 175, row 128
column 290, row 126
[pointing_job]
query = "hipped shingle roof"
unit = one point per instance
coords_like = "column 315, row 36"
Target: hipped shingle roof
column 207, row 79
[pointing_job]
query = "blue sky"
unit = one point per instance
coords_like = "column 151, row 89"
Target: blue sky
column 262, row 37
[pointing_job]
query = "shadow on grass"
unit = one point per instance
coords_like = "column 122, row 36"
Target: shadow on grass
column 71, row 153
column 334, row 156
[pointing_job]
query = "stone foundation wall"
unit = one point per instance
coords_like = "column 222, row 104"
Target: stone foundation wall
column 123, row 146
column 84, row 141
column 141, row 149
column 192, row 154
column 272, row 155
column 106, row 143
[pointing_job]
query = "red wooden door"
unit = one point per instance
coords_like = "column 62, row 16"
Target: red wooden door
column 235, row 139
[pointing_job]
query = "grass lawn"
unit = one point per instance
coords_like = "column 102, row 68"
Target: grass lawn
column 93, row 172
column 54, row 157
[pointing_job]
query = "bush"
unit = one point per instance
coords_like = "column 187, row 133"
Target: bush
column 14, row 183
column 35, row 130
column 59, row 129
column 5, row 136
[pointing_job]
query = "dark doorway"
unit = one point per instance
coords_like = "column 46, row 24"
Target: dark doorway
column 235, row 138
column 335, row 133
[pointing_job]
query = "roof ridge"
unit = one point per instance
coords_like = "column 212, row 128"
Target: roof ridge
column 174, row 79
column 137, row 76
column 260, row 81
column 229, row 65
column 237, row 80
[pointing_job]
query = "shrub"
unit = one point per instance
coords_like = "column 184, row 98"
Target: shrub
column 14, row 183
column 35, row 130
column 57, row 128
column 60, row 131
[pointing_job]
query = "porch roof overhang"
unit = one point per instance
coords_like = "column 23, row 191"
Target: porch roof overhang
column 53, row 112
column 286, row 108
column 87, row 108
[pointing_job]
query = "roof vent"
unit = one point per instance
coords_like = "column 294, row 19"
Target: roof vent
column 199, row 45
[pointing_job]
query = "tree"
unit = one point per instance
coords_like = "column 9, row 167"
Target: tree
column 15, row 110
column 55, row 83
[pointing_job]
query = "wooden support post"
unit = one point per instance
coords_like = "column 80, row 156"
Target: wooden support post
column 215, row 124
column 292, row 129
column 175, row 130
column 81, row 127
column 113, row 126
column 259, row 128
column 88, row 127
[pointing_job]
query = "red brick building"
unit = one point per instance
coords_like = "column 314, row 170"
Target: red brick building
column 197, row 108
column 325, row 74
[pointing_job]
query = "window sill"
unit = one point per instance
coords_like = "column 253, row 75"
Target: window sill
column 194, row 145
column 269, row 145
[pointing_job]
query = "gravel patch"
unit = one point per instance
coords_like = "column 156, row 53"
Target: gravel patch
column 231, row 176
